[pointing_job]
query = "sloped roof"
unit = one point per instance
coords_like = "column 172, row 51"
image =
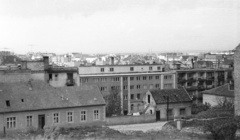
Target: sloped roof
column 220, row 91
column 38, row 95
column 175, row 95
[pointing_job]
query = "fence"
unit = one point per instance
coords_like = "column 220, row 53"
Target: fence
column 130, row 119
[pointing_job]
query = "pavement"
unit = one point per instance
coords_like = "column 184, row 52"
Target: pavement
column 139, row 127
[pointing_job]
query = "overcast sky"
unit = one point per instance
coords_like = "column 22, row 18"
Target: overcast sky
column 110, row 26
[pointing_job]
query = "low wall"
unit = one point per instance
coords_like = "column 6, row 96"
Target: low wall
column 130, row 119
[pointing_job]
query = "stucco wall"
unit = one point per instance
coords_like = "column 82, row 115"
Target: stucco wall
column 61, row 79
column 22, row 123
column 175, row 108
column 130, row 119
column 213, row 100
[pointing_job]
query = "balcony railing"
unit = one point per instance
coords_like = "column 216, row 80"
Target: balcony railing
column 70, row 82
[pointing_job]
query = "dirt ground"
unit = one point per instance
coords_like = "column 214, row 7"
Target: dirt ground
column 157, row 126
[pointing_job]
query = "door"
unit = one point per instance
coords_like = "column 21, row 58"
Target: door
column 41, row 121
column 158, row 115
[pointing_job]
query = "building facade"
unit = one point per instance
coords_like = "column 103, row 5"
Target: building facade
column 36, row 105
column 168, row 103
column 197, row 80
column 132, row 81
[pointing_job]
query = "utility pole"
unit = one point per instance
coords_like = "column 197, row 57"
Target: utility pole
column 167, row 106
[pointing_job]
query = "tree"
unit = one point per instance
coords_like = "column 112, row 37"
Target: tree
column 225, row 103
column 113, row 103
column 197, row 108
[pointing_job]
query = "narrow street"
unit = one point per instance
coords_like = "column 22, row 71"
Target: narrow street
column 139, row 127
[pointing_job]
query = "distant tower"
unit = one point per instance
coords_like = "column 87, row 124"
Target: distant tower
column 237, row 80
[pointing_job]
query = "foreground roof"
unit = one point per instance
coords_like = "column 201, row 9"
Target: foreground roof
column 38, row 95
column 220, row 91
column 175, row 95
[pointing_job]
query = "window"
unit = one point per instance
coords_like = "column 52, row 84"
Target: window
column 69, row 117
column 84, row 80
column 157, row 85
column 132, row 106
column 29, row 120
column 11, row 122
column 150, row 77
column 114, row 79
column 50, row 77
column 182, row 111
column 132, row 87
column 55, row 117
column 96, row 115
column 103, row 88
column 124, row 78
column 170, row 112
column 125, row 87
column 167, row 86
column 138, row 96
column 132, row 96
column 102, row 69
column 131, row 68
column 158, row 68
column 83, row 115
column 131, row 78
column 7, row 103
column 56, row 77
column 138, row 78
column 138, row 86
column 111, row 69
column 157, row 77
column 150, row 68
column 144, row 77
column 167, row 76
column 125, row 97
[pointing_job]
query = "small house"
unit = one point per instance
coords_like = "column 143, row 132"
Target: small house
column 176, row 101
column 36, row 104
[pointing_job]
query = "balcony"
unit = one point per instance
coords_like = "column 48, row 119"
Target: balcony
column 210, row 78
column 201, row 79
column 190, row 88
column 210, row 86
column 201, row 88
column 181, row 80
column 70, row 82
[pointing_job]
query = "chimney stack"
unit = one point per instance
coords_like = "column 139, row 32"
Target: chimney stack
column 46, row 62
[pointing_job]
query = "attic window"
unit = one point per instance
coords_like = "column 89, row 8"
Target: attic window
column 7, row 103
column 22, row 100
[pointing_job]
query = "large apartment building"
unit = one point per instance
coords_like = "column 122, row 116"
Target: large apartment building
column 132, row 81
column 197, row 80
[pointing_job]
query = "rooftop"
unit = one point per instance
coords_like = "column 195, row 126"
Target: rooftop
column 38, row 95
column 220, row 91
column 175, row 95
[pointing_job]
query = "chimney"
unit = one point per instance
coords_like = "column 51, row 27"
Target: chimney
column 192, row 63
column 112, row 60
column 46, row 62
column 24, row 65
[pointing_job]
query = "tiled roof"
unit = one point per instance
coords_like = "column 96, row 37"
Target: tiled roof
column 220, row 91
column 175, row 95
column 39, row 95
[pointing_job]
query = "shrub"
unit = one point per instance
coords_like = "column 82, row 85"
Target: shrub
column 197, row 108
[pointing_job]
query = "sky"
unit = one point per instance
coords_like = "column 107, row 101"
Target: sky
column 119, row 26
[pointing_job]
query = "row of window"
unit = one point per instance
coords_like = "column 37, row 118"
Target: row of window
column 131, row 69
column 12, row 121
column 138, row 78
column 182, row 111
column 125, row 87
